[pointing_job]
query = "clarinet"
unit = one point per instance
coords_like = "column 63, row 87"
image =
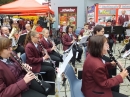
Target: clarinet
column 51, row 61
column 117, row 63
column 56, row 49
column 27, row 70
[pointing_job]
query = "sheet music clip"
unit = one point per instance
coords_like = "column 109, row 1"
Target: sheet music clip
column 126, row 54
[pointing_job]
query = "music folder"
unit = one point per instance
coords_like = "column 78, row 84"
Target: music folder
column 21, row 39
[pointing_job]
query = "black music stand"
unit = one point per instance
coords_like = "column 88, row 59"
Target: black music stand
column 107, row 30
column 117, row 30
column 21, row 39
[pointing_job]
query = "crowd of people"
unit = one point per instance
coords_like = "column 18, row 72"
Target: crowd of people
column 41, row 56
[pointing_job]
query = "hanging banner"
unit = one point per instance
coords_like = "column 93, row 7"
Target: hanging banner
column 91, row 13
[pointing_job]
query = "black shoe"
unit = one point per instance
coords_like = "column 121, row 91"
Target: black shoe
column 79, row 60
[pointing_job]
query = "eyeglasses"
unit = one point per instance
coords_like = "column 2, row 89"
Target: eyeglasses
column 9, row 48
column 37, row 37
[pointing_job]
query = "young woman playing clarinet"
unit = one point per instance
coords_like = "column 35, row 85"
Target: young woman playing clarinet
column 14, row 81
column 35, row 56
column 96, row 81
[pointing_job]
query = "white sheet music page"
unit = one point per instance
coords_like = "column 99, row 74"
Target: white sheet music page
column 126, row 54
column 65, row 63
column 83, row 39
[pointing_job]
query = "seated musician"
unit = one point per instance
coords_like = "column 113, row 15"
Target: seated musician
column 13, row 36
column 111, row 38
column 127, row 46
column 99, row 30
column 27, row 29
column 95, row 82
column 85, row 31
column 50, row 47
column 68, row 39
column 14, row 81
column 35, row 57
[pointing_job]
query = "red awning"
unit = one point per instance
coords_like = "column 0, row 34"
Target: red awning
column 24, row 6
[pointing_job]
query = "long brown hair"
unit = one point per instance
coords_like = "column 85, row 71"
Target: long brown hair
column 28, row 37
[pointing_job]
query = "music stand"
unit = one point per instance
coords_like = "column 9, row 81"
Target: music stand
column 21, row 39
column 117, row 30
column 107, row 30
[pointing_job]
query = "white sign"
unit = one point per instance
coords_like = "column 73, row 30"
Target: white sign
column 125, row 6
column 108, row 6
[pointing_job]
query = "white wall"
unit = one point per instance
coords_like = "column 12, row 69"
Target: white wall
column 70, row 3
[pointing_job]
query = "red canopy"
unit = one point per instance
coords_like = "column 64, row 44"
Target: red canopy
column 23, row 6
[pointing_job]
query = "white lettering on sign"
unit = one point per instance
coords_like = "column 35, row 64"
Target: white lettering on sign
column 68, row 10
column 125, row 6
column 108, row 6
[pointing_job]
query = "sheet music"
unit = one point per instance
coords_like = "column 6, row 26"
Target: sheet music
column 126, row 54
column 83, row 39
column 126, row 24
column 65, row 62
column 127, row 32
column 106, row 35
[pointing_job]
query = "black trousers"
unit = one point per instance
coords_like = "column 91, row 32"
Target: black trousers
column 111, row 72
column 49, row 75
column 80, row 51
column 50, row 72
column 115, row 94
column 20, row 49
column 55, row 57
column 110, row 42
column 35, row 90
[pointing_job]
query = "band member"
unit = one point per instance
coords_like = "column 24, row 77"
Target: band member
column 85, row 31
column 111, row 38
column 35, row 58
column 50, row 47
column 127, row 46
column 122, row 18
column 96, row 81
column 14, row 82
column 5, row 33
column 68, row 39
column 113, row 21
column 99, row 30
column 27, row 28
column 91, row 23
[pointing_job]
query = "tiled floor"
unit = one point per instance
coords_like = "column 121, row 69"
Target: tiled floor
column 124, row 87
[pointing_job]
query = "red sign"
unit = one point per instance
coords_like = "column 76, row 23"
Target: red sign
column 67, row 9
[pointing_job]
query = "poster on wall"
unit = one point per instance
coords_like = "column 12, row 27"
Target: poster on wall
column 91, row 13
column 104, row 12
column 68, row 16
